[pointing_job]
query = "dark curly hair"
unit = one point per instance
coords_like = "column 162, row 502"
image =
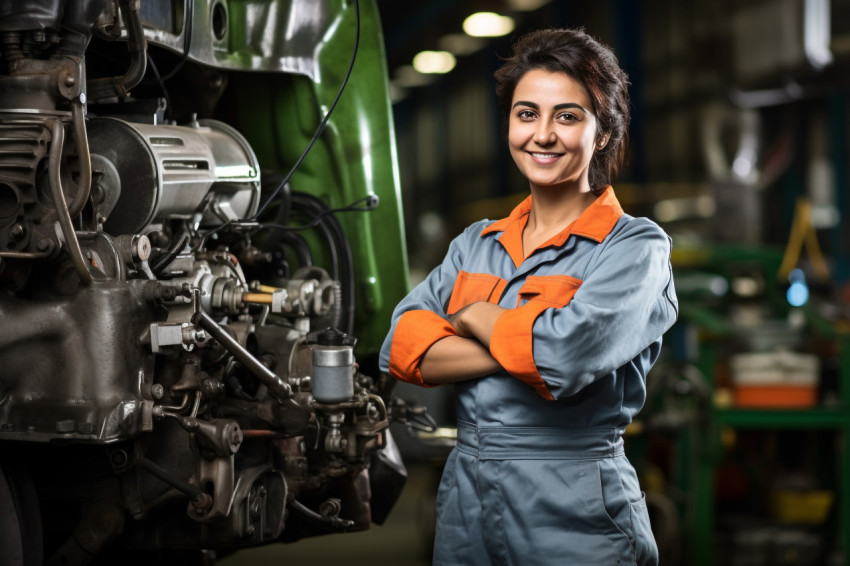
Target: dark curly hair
column 591, row 63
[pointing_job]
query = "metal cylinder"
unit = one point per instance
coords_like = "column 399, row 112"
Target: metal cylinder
column 333, row 373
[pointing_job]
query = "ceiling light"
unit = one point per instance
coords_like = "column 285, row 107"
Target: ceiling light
column 434, row 62
column 461, row 44
column 526, row 5
column 488, row 24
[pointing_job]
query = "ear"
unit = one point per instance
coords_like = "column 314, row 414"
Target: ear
column 602, row 141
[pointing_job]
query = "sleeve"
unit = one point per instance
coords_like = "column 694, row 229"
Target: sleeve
column 624, row 305
column 419, row 320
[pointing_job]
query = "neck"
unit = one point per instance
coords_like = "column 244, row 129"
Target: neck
column 555, row 210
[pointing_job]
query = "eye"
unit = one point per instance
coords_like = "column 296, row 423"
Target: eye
column 567, row 117
column 526, row 114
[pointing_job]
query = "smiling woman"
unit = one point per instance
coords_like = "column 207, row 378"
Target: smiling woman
column 547, row 323
column 552, row 135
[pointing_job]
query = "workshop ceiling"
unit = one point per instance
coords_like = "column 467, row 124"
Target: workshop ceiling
column 411, row 26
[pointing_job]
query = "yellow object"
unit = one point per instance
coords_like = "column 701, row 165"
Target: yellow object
column 260, row 298
column 802, row 232
column 801, row 506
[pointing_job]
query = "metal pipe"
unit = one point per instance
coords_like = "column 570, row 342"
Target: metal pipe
column 81, row 139
column 137, row 46
column 57, row 131
column 24, row 255
column 279, row 388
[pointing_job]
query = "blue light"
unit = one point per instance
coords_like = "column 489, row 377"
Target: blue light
column 798, row 294
column 797, row 276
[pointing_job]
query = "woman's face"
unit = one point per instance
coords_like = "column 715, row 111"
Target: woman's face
column 552, row 131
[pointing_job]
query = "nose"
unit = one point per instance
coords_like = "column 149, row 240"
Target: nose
column 545, row 133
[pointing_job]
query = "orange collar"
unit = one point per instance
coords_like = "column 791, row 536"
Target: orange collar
column 595, row 223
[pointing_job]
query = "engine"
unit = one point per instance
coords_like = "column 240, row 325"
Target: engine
column 177, row 364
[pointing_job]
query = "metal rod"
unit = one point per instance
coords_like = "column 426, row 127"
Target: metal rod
column 259, row 298
column 279, row 388
column 195, row 493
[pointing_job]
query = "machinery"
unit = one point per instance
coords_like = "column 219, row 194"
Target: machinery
column 200, row 247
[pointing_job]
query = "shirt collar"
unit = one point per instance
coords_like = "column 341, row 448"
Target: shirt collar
column 595, row 223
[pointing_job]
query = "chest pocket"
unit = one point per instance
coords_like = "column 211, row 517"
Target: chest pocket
column 555, row 290
column 473, row 287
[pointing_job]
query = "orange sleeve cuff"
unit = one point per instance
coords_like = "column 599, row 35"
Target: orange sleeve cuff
column 415, row 332
column 512, row 344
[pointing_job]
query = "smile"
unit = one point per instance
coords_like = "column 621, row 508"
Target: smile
column 545, row 158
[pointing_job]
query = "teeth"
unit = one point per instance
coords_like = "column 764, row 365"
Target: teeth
column 544, row 155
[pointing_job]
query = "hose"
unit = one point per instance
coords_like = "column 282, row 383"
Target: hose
column 165, row 259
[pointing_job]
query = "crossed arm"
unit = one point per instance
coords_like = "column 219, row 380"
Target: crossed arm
column 467, row 355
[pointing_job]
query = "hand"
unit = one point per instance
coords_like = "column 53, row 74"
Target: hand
column 457, row 321
column 476, row 321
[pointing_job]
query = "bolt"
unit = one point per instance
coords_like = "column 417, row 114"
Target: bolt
column 70, row 80
column 235, row 438
column 118, row 458
column 16, row 231
column 373, row 413
column 44, row 245
column 157, row 391
column 202, row 503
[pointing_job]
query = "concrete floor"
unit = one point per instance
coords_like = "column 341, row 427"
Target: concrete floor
column 404, row 539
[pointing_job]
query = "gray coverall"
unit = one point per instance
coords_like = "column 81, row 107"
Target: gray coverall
column 539, row 476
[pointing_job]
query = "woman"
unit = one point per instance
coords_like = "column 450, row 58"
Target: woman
column 547, row 323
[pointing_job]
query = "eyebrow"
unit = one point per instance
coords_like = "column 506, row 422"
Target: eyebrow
column 536, row 106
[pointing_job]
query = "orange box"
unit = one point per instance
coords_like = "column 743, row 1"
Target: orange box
column 775, row 380
column 775, row 396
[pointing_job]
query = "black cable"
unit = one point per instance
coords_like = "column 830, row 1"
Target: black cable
column 299, row 245
column 331, row 224
column 164, row 90
column 165, row 259
column 324, row 121
column 332, row 248
column 370, row 202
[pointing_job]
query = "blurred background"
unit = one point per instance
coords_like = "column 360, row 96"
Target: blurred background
column 740, row 143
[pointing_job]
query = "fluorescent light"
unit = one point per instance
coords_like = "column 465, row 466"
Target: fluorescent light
column 488, row 24
column 434, row 62
column 526, row 5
